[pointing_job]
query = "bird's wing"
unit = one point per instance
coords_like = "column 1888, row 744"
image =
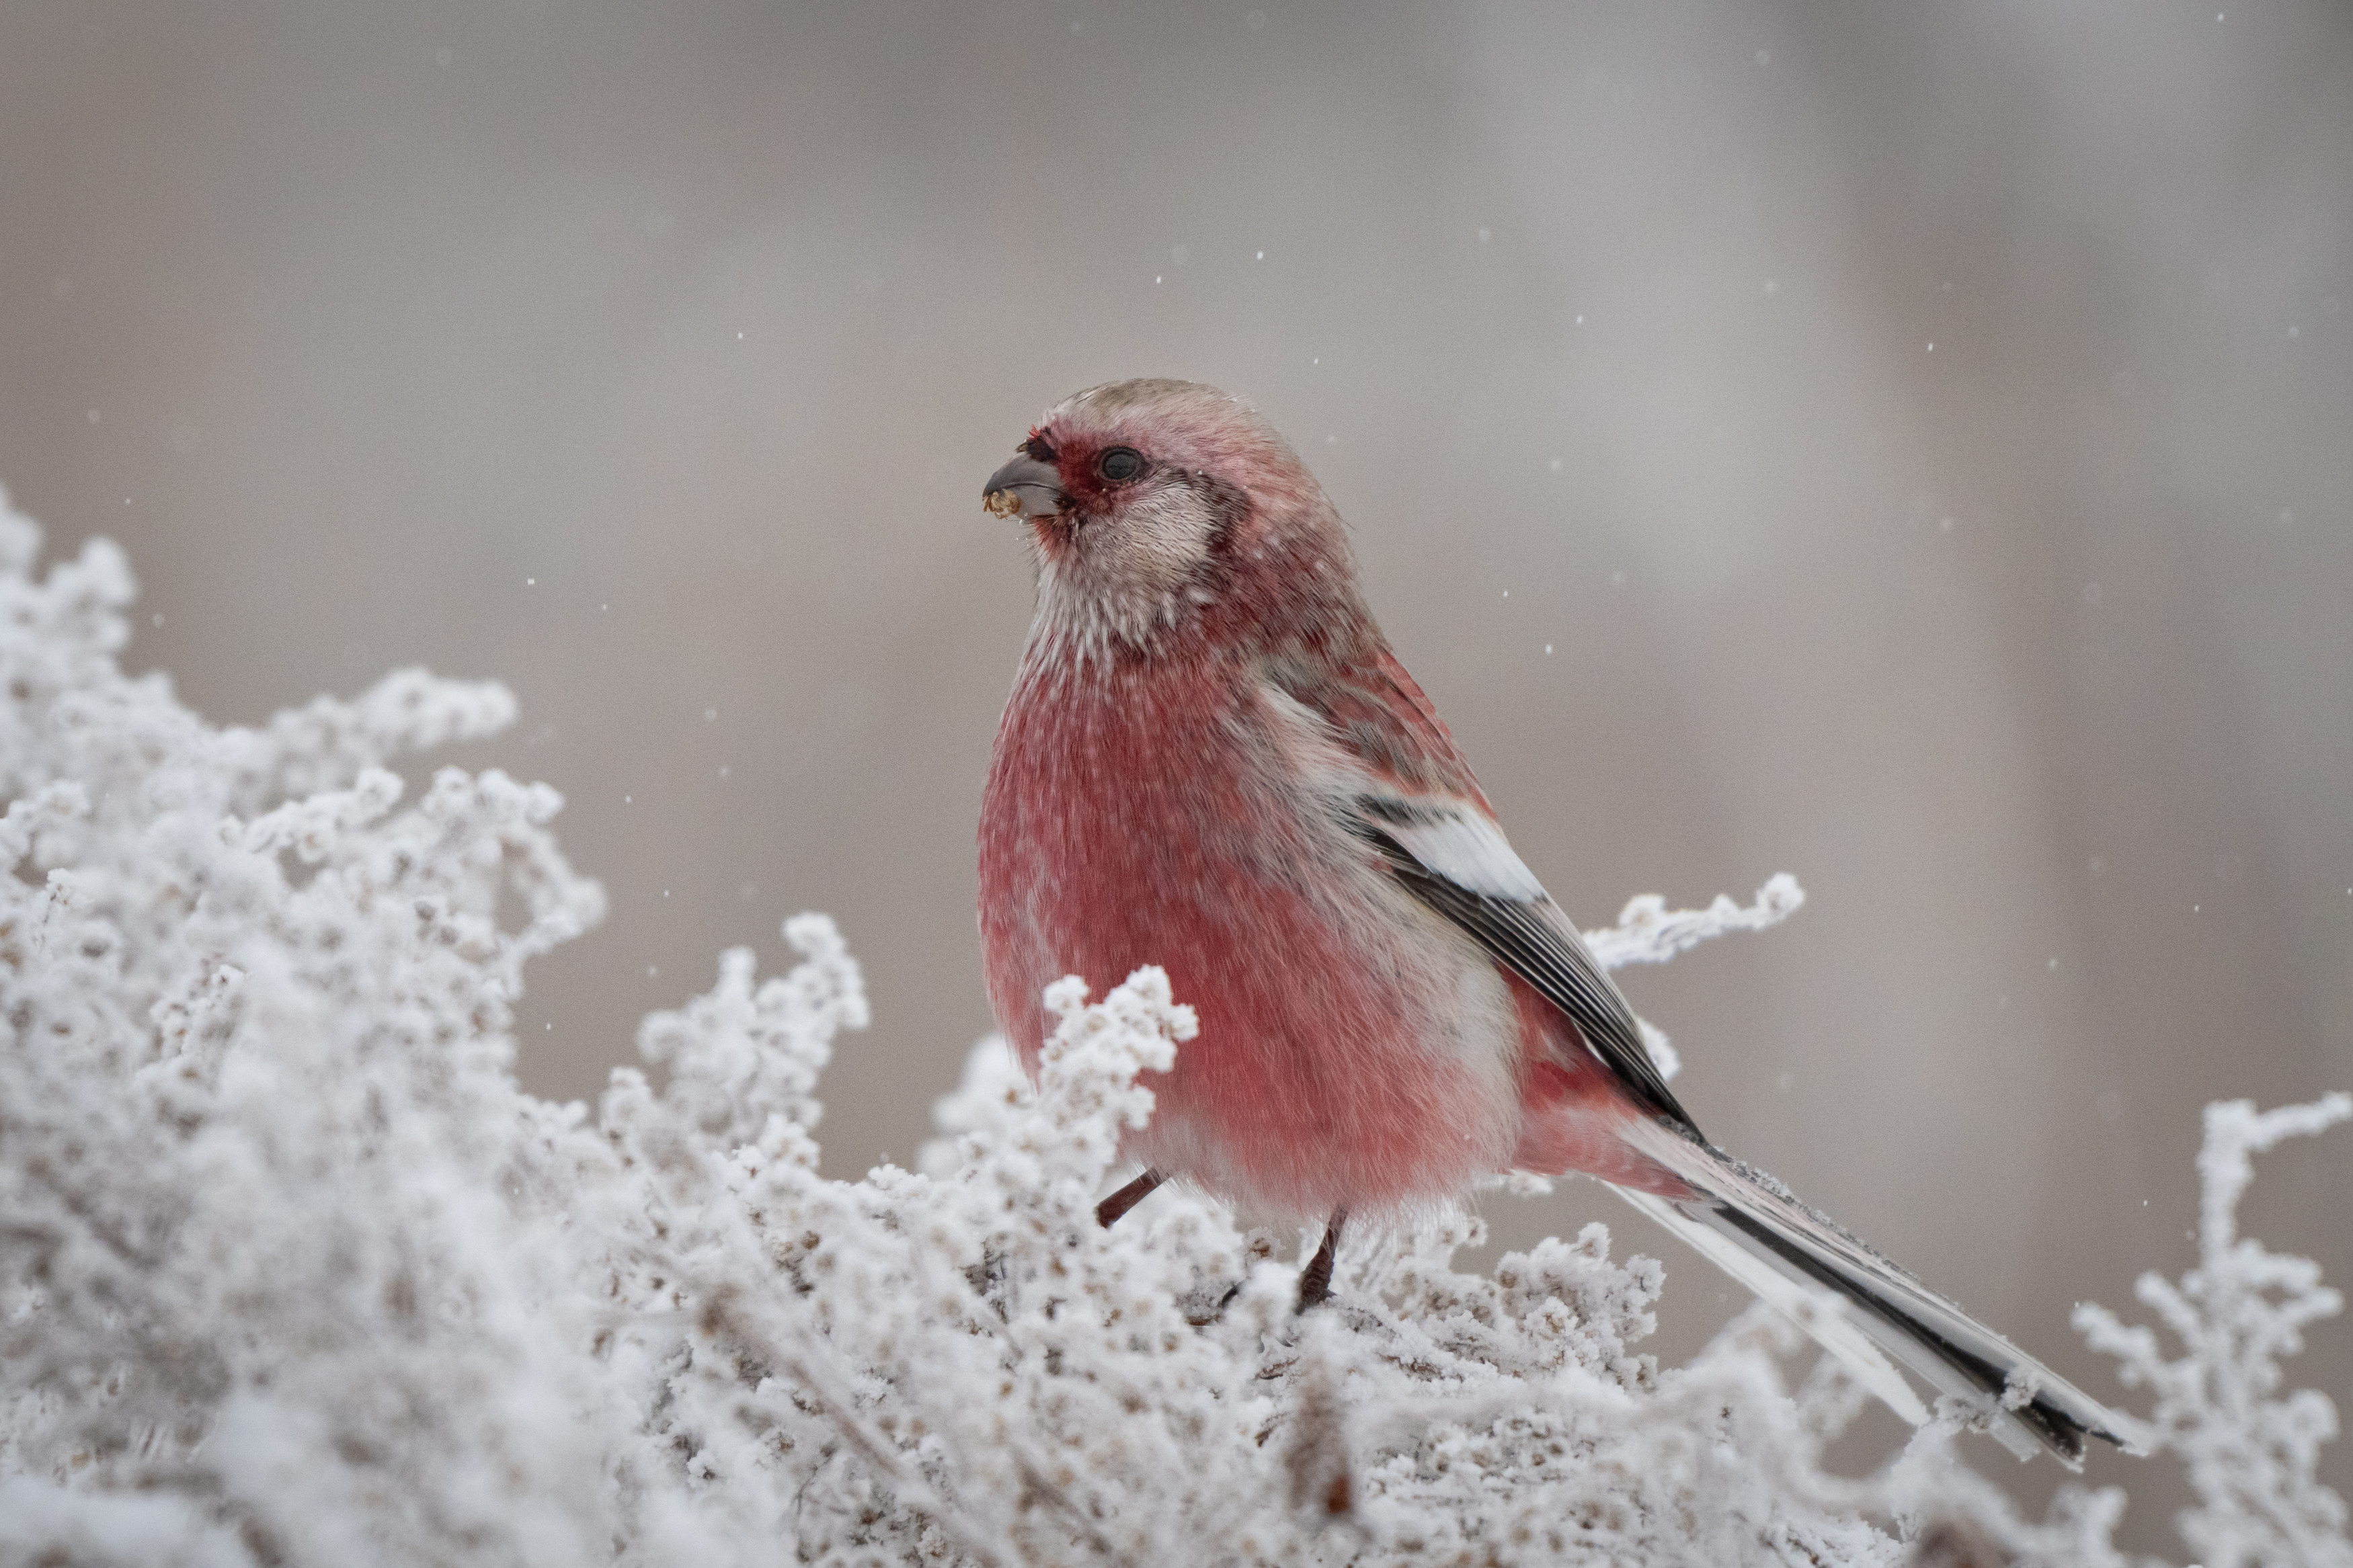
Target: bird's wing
column 1455, row 860
column 1421, row 812
column 1413, row 801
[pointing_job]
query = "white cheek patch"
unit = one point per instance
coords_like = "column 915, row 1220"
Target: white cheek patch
column 1462, row 845
column 1160, row 542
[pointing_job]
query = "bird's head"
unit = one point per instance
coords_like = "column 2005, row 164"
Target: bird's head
column 1149, row 500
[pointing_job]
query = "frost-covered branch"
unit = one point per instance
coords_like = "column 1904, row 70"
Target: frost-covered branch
column 2252, row 1453
column 292, row 1271
column 1649, row 933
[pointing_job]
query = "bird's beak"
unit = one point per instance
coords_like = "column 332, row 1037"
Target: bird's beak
column 1024, row 488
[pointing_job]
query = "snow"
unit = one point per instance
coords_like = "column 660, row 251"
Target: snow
column 292, row 1271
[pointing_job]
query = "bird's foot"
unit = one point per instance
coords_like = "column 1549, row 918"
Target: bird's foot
column 1316, row 1279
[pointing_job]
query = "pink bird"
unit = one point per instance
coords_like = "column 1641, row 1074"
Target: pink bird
column 1212, row 762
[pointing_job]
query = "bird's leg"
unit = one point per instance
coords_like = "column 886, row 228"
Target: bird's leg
column 1107, row 1212
column 1315, row 1281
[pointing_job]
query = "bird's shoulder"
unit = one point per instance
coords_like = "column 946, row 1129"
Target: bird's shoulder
column 1379, row 715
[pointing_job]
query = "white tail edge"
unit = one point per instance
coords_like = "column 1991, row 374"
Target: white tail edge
column 1857, row 1304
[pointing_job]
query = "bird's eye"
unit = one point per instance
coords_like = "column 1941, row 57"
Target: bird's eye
column 1120, row 464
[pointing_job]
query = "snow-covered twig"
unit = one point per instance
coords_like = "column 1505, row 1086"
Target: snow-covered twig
column 1649, row 933
column 2252, row 1453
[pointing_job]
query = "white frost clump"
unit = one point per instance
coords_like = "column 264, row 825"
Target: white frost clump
column 290, row 1272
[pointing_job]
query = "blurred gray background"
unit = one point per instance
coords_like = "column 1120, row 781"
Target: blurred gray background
column 1908, row 446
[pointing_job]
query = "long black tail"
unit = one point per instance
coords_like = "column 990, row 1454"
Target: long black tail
column 1857, row 1303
